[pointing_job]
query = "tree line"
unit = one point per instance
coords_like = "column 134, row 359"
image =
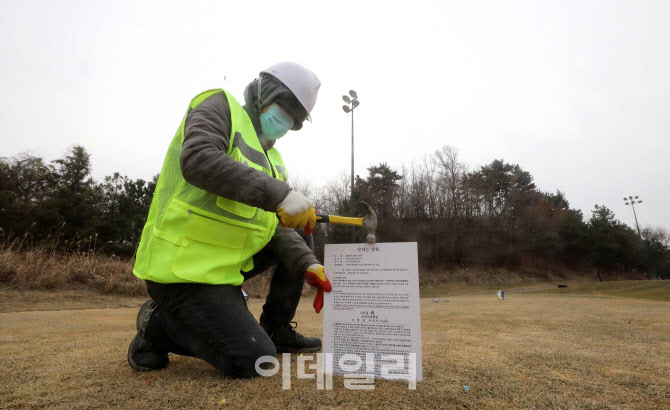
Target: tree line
column 491, row 216
column 60, row 204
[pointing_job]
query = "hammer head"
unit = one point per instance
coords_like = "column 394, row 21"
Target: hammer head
column 370, row 223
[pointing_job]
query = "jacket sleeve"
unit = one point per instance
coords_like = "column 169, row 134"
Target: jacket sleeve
column 206, row 165
column 294, row 252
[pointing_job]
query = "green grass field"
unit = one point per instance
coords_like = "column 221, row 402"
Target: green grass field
column 588, row 346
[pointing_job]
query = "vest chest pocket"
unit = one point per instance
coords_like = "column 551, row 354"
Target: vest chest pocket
column 236, row 208
column 211, row 251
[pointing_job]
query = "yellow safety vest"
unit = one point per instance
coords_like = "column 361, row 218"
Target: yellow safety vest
column 192, row 235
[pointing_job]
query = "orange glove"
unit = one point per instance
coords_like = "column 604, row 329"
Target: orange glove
column 317, row 278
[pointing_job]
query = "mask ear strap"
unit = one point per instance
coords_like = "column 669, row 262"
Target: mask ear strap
column 261, row 103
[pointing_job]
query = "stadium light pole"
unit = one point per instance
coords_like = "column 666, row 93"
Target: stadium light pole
column 352, row 102
column 634, row 200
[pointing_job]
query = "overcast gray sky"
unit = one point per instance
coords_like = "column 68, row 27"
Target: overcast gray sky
column 575, row 92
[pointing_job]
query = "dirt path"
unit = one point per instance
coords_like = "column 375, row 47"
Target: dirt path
column 12, row 300
column 527, row 351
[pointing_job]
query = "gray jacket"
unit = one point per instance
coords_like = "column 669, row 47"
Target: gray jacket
column 205, row 164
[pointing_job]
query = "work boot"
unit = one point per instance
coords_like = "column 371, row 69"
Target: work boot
column 142, row 356
column 287, row 340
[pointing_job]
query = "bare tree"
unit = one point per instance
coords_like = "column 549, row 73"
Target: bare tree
column 300, row 184
column 656, row 235
column 452, row 173
column 335, row 192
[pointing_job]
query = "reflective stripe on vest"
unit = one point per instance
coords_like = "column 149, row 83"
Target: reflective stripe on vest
column 251, row 154
column 278, row 164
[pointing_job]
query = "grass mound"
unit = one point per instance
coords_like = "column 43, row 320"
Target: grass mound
column 41, row 267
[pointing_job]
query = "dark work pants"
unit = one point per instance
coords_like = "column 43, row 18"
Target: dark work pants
column 213, row 323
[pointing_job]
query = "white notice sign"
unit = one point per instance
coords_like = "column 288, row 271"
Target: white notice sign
column 371, row 319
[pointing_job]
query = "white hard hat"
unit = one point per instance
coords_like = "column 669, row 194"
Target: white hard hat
column 302, row 82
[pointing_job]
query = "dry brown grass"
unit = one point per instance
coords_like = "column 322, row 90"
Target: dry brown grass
column 529, row 351
column 640, row 289
column 28, row 300
column 40, row 267
column 485, row 277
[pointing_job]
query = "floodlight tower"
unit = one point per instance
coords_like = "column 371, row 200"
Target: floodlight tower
column 352, row 102
column 634, row 200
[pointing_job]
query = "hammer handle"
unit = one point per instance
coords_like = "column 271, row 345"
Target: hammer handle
column 340, row 220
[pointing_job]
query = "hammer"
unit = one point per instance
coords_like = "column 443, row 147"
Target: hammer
column 369, row 222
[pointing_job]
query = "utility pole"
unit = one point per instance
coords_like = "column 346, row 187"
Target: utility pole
column 351, row 103
column 634, row 200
